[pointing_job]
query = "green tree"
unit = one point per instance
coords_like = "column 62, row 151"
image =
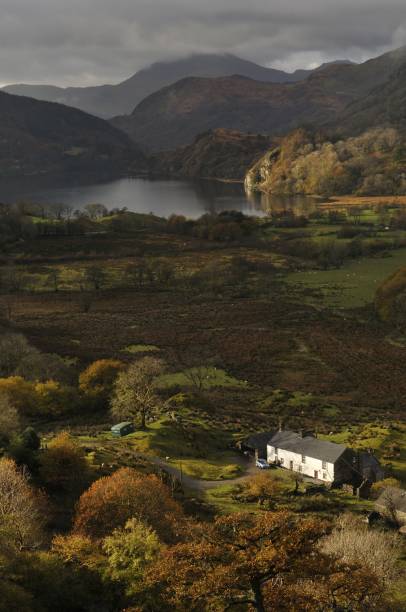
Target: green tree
column 129, row 552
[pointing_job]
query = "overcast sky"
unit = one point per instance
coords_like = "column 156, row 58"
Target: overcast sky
column 83, row 42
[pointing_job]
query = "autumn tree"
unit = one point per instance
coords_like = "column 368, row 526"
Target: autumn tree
column 135, row 396
column 230, row 561
column 20, row 393
column 21, row 509
column 97, row 380
column 263, row 487
column 63, row 465
column 111, row 501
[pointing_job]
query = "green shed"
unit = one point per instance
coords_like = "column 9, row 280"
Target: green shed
column 122, row 429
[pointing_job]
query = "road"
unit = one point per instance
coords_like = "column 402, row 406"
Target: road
column 248, row 465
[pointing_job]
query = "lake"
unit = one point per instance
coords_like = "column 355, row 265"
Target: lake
column 161, row 197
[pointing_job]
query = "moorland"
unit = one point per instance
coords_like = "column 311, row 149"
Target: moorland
column 254, row 322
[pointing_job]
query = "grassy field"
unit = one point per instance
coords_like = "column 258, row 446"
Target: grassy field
column 352, row 286
column 187, row 441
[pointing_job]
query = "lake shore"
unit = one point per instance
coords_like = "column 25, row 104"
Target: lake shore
column 350, row 200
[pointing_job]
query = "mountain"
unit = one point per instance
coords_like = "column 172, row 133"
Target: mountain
column 220, row 154
column 384, row 105
column 176, row 114
column 301, row 74
column 111, row 100
column 43, row 137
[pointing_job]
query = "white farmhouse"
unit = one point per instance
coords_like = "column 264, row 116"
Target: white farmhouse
column 305, row 454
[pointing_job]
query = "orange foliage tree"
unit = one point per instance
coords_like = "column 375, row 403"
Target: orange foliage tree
column 98, row 379
column 112, row 500
column 265, row 561
column 229, row 562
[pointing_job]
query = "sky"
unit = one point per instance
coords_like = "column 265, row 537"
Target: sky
column 89, row 42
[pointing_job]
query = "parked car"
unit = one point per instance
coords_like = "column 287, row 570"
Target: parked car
column 262, row 464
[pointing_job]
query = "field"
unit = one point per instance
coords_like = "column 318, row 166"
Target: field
column 260, row 342
column 352, row 286
column 260, row 323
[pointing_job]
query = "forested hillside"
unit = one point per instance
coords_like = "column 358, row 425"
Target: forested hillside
column 373, row 163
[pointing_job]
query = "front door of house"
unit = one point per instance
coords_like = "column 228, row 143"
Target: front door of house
column 316, row 474
column 291, row 465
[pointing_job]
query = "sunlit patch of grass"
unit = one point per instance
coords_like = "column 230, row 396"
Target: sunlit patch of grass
column 351, row 286
column 140, row 348
column 381, row 439
column 216, row 469
column 206, row 377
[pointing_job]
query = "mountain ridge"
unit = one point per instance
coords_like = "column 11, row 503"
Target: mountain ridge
column 176, row 114
column 119, row 99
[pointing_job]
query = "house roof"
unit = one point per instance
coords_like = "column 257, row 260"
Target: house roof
column 395, row 495
column 307, row 445
column 258, row 440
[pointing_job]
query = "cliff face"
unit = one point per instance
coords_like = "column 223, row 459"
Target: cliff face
column 219, row 154
column 373, row 163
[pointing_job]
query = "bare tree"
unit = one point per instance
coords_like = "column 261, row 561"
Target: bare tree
column 53, row 278
column 95, row 276
column 355, row 543
column 391, row 512
column 135, row 395
column 96, row 211
column 13, row 349
column 9, row 418
column 21, row 518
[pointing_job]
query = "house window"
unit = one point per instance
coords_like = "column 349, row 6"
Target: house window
column 300, row 467
column 303, row 459
column 276, row 452
column 281, row 460
column 324, row 475
column 324, row 465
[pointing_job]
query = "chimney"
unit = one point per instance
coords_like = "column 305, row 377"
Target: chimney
column 280, row 424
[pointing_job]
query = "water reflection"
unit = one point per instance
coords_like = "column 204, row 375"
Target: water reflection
column 161, row 197
column 273, row 204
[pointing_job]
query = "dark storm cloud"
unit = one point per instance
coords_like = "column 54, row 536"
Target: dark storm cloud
column 93, row 41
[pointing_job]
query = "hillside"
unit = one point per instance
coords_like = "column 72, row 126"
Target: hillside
column 41, row 137
column 220, row 153
column 372, row 163
column 175, row 115
column 110, row 100
column 383, row 105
